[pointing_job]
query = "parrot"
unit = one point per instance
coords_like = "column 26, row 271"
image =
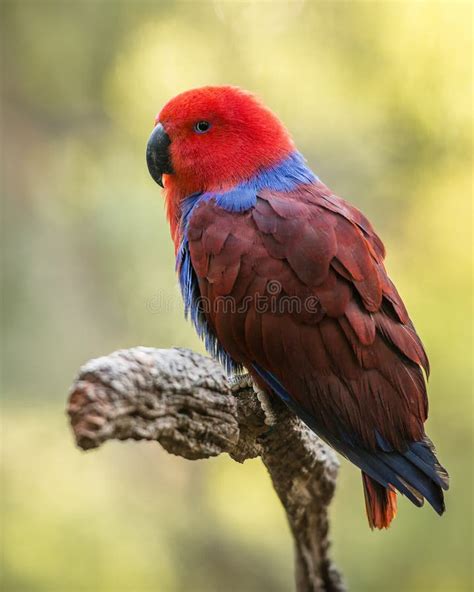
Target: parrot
column 285, row 281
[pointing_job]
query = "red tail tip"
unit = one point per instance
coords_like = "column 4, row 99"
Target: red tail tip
column 380, row 503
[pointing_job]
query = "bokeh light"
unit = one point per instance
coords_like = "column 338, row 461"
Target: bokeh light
column 378, row 96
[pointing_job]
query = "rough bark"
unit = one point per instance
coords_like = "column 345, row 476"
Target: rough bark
column 184, row 401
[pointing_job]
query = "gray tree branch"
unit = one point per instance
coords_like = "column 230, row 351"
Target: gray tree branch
column 183, row 400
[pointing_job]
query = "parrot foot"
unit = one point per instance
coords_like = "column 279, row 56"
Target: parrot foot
column 241, row 381
column 262, row 396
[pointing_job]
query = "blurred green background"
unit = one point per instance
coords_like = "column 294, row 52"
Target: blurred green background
column 378, row 96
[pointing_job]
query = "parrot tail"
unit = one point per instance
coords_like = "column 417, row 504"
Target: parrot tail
column 380, row 503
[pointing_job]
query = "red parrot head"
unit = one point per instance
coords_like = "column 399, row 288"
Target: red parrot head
column 212, row 138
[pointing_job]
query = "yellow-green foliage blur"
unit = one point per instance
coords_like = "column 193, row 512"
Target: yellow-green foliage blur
column 378, row 96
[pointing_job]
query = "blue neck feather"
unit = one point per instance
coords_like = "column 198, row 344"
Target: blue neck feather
column 287, row 175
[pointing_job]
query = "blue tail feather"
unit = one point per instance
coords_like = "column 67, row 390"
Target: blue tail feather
column 415, row 473
column 423, row 456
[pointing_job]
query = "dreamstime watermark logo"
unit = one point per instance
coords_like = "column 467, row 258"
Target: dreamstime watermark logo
column 273, row 300
column 164, row 302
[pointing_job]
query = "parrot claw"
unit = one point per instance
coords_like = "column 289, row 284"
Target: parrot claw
column 264, row 399
column 242, row 381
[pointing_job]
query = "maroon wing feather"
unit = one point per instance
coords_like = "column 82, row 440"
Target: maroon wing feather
column 313, row 305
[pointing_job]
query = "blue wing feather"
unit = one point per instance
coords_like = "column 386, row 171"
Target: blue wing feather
column 407, row 472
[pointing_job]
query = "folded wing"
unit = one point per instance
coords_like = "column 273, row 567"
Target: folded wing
column 297, row 292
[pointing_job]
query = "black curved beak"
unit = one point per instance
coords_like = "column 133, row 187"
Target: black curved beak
column 157, row 154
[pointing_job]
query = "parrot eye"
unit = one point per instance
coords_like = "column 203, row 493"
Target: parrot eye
column 201, row 127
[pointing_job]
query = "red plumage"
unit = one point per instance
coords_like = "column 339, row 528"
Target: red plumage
column 380, row 503
column 245, row 138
